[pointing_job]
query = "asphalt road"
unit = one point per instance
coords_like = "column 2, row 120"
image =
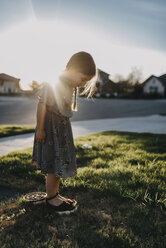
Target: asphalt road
column 22, row 110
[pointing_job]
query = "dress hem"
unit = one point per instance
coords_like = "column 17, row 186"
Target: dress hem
column 47, row 171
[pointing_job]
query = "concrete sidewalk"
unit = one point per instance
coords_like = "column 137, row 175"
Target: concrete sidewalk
column 150, row 124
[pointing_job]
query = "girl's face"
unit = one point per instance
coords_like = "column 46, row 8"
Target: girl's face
column 77, row 78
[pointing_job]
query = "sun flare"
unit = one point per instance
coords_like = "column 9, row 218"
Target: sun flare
column 39, row 50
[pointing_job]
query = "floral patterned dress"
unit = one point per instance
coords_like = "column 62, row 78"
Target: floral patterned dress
column 57, row 154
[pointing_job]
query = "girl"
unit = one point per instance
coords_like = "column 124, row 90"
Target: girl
column 53, row 150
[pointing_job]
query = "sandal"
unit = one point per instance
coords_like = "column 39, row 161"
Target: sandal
column 43, row 198
column 74, row 202
column 63, row 208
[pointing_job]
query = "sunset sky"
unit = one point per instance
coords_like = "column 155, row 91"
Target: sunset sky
column 37, row 37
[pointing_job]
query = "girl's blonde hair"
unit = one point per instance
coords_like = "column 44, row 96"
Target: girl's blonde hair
column 83, row 62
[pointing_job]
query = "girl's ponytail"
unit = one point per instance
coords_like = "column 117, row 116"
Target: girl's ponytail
column 74, row 106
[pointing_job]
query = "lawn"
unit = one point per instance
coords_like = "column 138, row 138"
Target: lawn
column 120, row 189
column 9, row 130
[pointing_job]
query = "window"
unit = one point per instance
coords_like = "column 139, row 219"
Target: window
column 153, row 89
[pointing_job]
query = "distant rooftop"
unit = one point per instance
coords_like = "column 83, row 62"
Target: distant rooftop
column 6, row 77
column 163, row 79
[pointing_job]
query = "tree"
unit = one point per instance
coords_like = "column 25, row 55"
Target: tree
column 130, row 85
column 123, row 87
column 34, row 86
column 118, row 78
column 135, row 76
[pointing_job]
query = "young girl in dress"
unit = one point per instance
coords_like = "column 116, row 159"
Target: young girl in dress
column 53, row 150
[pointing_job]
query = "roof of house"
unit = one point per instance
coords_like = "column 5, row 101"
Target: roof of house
column 148, row 79
column 6, row 77
column 162, row 79
column 103, row 72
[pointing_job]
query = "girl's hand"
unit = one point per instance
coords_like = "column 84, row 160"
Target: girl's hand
column 41, row 136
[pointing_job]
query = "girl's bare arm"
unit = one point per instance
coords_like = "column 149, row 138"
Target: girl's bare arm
column 41, row 112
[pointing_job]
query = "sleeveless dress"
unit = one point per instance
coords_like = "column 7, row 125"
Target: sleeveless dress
column 57, row 154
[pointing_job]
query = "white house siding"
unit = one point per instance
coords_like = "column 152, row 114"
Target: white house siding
column 9, row 87
column 153, row 85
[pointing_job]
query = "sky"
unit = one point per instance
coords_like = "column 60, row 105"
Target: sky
column 38, row 37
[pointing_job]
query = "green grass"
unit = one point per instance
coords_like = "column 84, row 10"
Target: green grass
column 120, row 189
column 9, row 130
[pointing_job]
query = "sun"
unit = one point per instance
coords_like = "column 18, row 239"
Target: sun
column 39, row 50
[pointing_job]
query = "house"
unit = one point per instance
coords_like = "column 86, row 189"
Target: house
column 155, row 85
column 105, row 86
column 9, row 84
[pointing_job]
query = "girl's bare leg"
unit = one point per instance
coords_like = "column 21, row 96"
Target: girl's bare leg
column 52, row 187
column 52, row 184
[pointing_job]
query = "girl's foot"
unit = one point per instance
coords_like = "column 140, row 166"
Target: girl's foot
column 60, row 206
column 57, row 201
column 64, row 199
